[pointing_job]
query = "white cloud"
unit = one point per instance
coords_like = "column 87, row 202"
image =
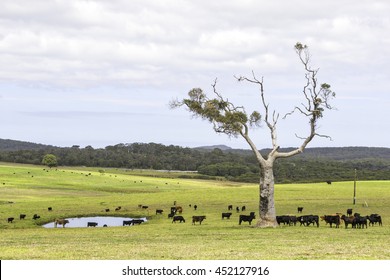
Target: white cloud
column 131, row 48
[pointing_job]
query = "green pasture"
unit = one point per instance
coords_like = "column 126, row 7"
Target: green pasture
column 77, row 192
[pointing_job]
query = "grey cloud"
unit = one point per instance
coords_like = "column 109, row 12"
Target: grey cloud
column 86, row 114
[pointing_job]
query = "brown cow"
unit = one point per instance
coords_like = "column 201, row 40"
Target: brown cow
column 62, row 222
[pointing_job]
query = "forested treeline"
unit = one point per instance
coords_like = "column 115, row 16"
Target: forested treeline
column 315, row 165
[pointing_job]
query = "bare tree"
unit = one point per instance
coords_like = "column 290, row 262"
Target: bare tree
column 234, row 121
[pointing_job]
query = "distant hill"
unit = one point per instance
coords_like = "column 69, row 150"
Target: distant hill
column 333, row 153
column 210, row 148
column 15, row 145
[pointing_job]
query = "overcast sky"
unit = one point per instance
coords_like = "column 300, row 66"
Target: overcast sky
column 99, row 73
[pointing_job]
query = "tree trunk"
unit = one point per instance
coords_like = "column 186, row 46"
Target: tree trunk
column 267, row 204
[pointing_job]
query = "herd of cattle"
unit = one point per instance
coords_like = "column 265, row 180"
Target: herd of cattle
column 356, row 220
column 23, row 216
column 175, row 210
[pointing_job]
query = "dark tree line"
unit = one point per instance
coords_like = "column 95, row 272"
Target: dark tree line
column 315, row 165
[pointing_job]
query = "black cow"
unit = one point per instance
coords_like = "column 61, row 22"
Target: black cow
column 195, row 207
column 145, row 207
column 374, row 218
column 118, row 208
column 329, row 182
column 107, row 210
column 359, row 222
column 283, row 220
column 171, row 215
column 137, row 221
column 293, row 220
column 92, row 224
column 349, row 212
column 173, row 210
column 300, row 209
column 238, row 209
column 49, row 208
column 198, row 219
column 159, row 211
column 10, row 220
column 36, row 216
column 331, row 219
column 127, row 223
column 246, row 218
column 243, row 208
column 22, row 216
column 226, row 215
column 307, row 220
column 230, row 207
column 286, row 219
column 178, row 218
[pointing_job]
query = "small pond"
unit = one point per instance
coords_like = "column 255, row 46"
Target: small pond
column 100, row 220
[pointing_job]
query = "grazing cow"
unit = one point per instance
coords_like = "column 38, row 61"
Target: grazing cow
column 331, row 219
column 22, row 216
column 171, row 215
column 36, row 216
column 374, row 218
column 145, row 207
column 246, row 218
column 179, row 209
column 10, row 220
column 347, row 220
column 226, row 215
column 137, row 221
column 178, row 218
column 230, row 207
column 198, row 219
column 118, row 208
column 349, row 212
column 243, row 208
column 62, row 222
column 286, row 219
column 126, row 223
column 107, row 210
column 159, row 211
column 300, row 209
column 49, row 208
column 307, row 220
column 329, row 182
column 92, row 224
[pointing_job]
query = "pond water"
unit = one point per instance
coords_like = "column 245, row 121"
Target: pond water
column 100, row 220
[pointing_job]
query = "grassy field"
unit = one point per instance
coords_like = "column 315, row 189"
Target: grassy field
column 77, row 192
